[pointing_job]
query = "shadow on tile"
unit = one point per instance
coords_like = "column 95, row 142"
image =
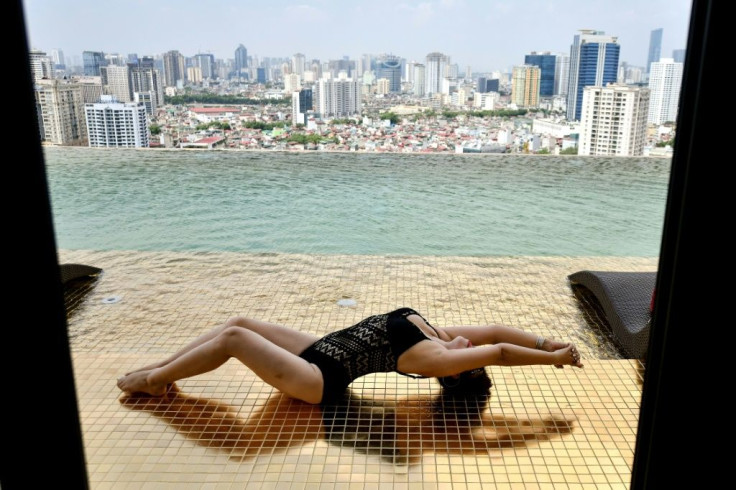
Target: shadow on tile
column 400, row 431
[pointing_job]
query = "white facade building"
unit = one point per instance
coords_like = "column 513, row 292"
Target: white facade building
column 116, row 124
column 554, row 128
column 419, row 80
column 435, row 72
column 486, row 101
column 340, row 97
column 41, row 65
column 292, row 83
column 613, row 120
column 665, row 80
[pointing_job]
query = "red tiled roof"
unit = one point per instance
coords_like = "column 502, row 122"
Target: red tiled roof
column 213, row 110
column 211, row 139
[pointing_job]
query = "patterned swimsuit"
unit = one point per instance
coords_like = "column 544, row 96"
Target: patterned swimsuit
column 371, row 346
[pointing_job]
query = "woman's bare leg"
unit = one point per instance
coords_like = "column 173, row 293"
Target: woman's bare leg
column 290, row 339
column 282, row 369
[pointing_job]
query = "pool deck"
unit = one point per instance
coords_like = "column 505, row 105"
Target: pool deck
column 541, row 428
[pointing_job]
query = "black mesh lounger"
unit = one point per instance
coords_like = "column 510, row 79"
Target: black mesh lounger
column 624, row 298
column 70, row 272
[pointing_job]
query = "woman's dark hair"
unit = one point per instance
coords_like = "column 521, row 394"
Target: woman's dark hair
column 473, row 382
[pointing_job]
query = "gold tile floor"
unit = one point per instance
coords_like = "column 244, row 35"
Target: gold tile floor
column 541, row 428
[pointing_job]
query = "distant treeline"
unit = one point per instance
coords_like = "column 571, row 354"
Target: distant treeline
column 221, row 99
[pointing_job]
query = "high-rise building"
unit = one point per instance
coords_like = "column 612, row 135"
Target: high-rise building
column 655, row 48
column 116, row 80
column 301, row 103
column 206, row 63
column 525, row 83
column 383, row 86
column 388, row 66
column 93, row 61
column 486, row 85
column 593, row 61
column 116, row 124
column 91, row 88
column 665, row 79
column 240, row 63
column 292, row 83
column 419, row 80
column 57, row 56
column 613, row 120
column 337, row 97
column 678, row 55
column 436, row 67
column 547, row 63
column 562, row 74
column 41, row 65
column 299, row 64
column 147, row 80
column 60, row 112
column 174, row 69
column 261, row 74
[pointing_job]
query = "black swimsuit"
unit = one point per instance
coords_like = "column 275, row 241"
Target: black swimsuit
column 371, row 346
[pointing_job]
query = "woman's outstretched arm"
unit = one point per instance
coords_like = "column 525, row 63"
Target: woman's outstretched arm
column 434, row 359
column 502, row 334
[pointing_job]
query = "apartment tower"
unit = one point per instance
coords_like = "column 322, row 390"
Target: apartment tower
column 60, row 111
column 436, row 66
column 665, row 79
column 525, row 83
column 337, row 97
column 614, row 120
column 116, row 124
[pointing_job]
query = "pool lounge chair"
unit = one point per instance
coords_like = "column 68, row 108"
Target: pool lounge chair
column 624, row 300
column 69, row 272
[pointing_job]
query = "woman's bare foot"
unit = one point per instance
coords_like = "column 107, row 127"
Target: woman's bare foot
column 568, row 355
column 137, row 382
column 551, row 345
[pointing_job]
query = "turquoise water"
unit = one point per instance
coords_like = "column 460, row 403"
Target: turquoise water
column 351, row 203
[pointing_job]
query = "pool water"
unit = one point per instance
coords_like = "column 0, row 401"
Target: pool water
column 356, row 203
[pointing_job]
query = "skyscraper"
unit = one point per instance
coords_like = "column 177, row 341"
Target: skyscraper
column 614, row 120
column 388, row 66
column 665, row 79
column 298, row 64
column 146, row 79
column 206, row 63
column 174, row 69
column 419, row 82
column 115, row 124
column 546, row 62
column 435, row 71
column 301, row 102
column 655, row 47
column 525, row 83
column 116, row 81
column 93, row 60
column 240, row 63
column 593, row 61
column 562, row 74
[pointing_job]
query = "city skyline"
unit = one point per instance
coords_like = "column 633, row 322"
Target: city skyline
column 473, row 33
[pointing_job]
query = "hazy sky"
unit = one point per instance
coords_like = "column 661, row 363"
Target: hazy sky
column 487, row 35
